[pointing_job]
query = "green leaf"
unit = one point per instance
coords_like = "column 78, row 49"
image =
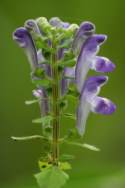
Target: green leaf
column 45, row 120
column 63, row 104
column 25, row 138
column 72, row 91
column 39, row 72
column 71, row 116
column 69, row 63
column 66, row 43
column 51, row 177
column 64, row 157
column 84, row 145
column 43, row 165
column 71, row 97
column 62, row 165
column 31, row 102
column 90, row 147
column 41, row 82
column 65, row 166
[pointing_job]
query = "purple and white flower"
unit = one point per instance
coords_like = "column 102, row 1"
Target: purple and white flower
column 85, row 30
column 87, row 54
column 90, row 102
column 25, row 41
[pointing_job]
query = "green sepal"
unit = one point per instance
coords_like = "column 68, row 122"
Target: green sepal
column 72, row 91
column 51, row 177
column 49, row 90
column 63, row 104
column 67, row 33
column 71, row 97
column 71, row 29
column 68, row 63
column 67, row 42
column 45, row 27
column 42, row 43
column 68, row 55
column 68, row 115
column 39, row 73
column 40, row 78
column 45, row 120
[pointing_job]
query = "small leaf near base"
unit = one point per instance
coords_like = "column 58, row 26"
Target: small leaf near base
column 51, row 177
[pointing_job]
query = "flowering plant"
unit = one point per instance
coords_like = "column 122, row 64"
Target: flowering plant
column 60, row 55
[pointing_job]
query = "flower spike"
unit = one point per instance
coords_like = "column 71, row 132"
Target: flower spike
column 60, row 55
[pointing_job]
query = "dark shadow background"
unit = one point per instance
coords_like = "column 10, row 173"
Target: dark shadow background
column 18, row 161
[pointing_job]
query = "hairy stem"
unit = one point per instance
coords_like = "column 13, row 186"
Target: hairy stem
column 55, row 109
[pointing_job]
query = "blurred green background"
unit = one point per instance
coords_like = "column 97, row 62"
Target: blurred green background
column 18, row 161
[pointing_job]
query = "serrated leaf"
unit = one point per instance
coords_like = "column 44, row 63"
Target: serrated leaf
column 45, row 120
column 64, row 157
column 71, row 116
column 51, row 177
column 31, row 102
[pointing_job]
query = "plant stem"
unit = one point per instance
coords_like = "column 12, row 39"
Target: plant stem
column 55, row 109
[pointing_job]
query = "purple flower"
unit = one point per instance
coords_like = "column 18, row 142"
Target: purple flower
column 102, row 64
column 90, row 102
column 87, row 54
column 85, row 30
column 24, row 40
column 67, row 78
column 32, row 25
column 103, row 106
